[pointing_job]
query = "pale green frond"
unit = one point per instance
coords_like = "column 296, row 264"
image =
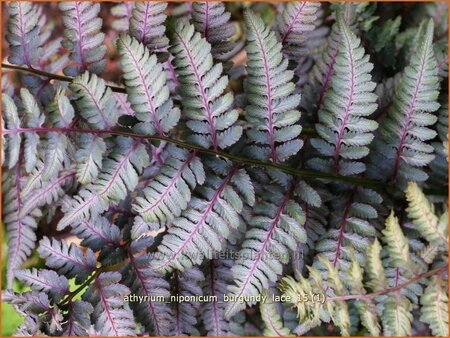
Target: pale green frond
column 421, row 211
column 434, row 309
column 273, row 323
column 397, row 243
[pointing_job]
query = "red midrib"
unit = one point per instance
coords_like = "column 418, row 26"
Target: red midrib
column 105, row 305
column 209, row 116
column 144, row 287
column 347, row 108
column 291, row 24
column 214, row 304
column 327, row 79
column 177, row 306
column 144, row 24
column 407, row 122
column 22, row 35
column 94, row 230
column 204, row 216
column 273, row 153
column 172, row 183
column 67, row 257
column 342, row 230
column 80, row 37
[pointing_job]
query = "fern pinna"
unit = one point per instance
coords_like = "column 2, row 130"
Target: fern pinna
column 219, row 169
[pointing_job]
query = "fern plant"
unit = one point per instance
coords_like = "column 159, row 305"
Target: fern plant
column 223, row 169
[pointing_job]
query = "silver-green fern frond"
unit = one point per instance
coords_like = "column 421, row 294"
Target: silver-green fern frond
column 271, row 109
column 403, row 149
column 206, row 106
column 169, row 193
column 343, row 126
column 119, row 175
column 147, row 89
column 82, row 37
column 147, row 24
column 213, row 22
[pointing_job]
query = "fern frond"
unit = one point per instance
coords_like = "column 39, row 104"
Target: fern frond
column 353, row 225
column 89, row 157
column 311, row 313
column 277, row 225
column 397, row 244
column 48, row 193
column 122, row 12
column 79, row 319
column 212, row 21
column 55, row 155
column 201, row 229
column 112, row 315
column 343, row 127
column 45, row 280
column 404, row 130
column 396, row 316
column 68, row 260
column 324, row 67
column 147, row 24
column 273, row 324
column 95, row 101
column 186, row 284
column 169, row 193
column 83, row 37
column 147, row 89
column 34, row 119
column 272, row 105
column 20, row 228
column 374, row 266
column 217, row 277
column 294, row 24
column 202, row 86
column 153, row 312
column 434, row 303
column 118, row 176
column 97, row 233
column 10, row 144
column 23, row 34
column 421, row 212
